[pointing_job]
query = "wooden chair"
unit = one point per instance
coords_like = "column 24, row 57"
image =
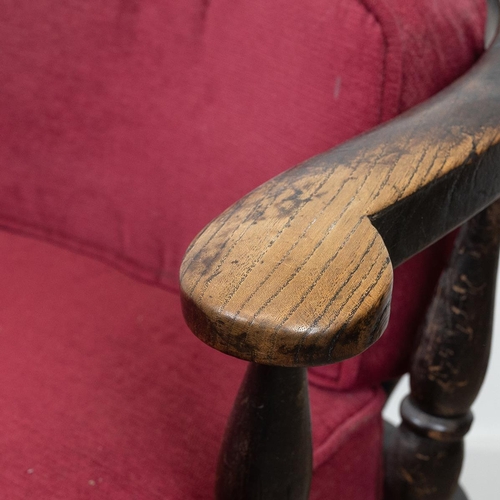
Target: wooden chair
column 326, row 246
column 126, row 126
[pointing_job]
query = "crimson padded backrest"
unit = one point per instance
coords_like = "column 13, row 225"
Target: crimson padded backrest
column 127, row 125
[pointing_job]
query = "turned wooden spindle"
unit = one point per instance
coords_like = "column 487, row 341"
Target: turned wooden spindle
column 426, row 453
column 267, row 450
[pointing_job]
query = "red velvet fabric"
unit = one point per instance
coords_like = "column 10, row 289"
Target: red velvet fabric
column 126, row 126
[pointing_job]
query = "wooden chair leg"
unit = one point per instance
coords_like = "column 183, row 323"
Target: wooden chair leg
column 389, row 433
column 425, row 457
column 267, row 449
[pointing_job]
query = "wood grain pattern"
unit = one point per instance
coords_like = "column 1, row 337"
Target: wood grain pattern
column 299, row 272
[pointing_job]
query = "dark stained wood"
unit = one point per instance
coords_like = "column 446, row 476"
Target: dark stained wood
column 420, row 467
column 299, row 272
column 460, row 495
column 451, row 360
column 426, row 454
column 389, row 433
column 267, row 450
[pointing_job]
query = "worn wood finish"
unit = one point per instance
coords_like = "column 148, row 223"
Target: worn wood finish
column 425, row 457
column 389, row 434
column 299, row 272
column 267, row 449
column 451, row 360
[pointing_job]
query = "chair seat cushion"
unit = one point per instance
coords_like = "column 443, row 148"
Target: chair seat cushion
column 105, row 394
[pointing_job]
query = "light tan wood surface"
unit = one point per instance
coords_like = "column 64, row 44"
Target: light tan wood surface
column 299, row 272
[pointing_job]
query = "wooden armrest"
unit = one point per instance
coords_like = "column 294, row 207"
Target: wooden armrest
column 299, row 272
